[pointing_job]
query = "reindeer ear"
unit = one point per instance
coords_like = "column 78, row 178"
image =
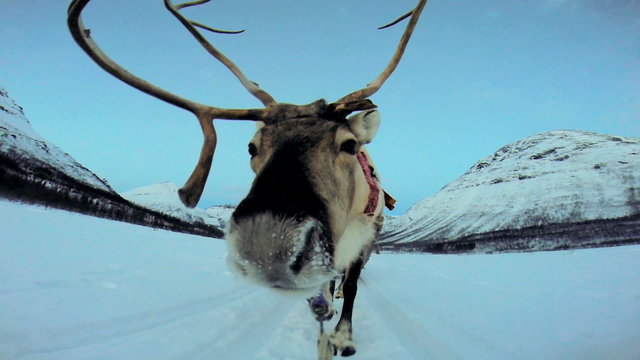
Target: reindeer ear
column 365, row 125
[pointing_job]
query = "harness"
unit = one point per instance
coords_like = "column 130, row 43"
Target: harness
column 374, row 188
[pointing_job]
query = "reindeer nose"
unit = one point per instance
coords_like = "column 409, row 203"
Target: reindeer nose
column 280, row 280
column 279, row 277
column 281, row 254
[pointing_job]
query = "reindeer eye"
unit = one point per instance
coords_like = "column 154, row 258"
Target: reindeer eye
column 349, row 146
column 253, row 150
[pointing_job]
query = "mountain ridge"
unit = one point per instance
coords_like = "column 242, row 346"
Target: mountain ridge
column 555, row 190
column 539, row 185
column 32, row 170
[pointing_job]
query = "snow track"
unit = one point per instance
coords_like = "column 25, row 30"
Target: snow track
column 75, row 287
column 413, row 339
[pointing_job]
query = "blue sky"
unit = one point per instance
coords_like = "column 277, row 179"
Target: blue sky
column 477, row 75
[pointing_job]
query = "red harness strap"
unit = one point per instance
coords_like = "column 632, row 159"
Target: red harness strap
column 374, row 192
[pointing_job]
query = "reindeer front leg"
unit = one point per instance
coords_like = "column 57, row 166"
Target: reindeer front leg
column 342, row 337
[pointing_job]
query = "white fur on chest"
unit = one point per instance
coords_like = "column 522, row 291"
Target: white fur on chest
column 359, row 234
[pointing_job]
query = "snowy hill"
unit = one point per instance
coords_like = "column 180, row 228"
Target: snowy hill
column 78, row 287
column 164, row 198
column 558, row 177
column 25, row 146
column 33, row 170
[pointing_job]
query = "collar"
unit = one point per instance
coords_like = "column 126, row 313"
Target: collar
column 374, row 189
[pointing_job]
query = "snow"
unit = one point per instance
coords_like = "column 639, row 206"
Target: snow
column 77, row 287
column 164, row 198
column 13, row 115
column 20, row 141
column 560, row 176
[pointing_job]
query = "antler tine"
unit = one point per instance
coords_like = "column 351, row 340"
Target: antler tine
column 191, row 3
column 252, row 87
column 374, row 86
column 192, row 190
column 202, row 26
column 396, row 20
column 217, row 31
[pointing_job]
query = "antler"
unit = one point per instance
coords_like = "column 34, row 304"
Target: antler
column 375, row 85
column 192, row 190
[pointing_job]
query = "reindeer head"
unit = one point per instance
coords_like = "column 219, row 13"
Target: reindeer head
column 311, row 187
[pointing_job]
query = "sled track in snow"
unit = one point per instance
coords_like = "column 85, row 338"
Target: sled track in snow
column 419, row 342
column 259, row 316
column 90, row 333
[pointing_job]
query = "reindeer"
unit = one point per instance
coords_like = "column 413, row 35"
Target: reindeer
column 315, row 206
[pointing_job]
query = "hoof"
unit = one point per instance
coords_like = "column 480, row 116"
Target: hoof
column 348, row 351
column 342, row 341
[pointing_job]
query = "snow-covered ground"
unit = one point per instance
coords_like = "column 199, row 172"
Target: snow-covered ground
column 78, row 287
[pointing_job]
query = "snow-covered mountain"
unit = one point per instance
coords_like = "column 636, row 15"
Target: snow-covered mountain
column 24, row 145
column 557, row 177
column 164, row 198
column 559, row 186
column 555, row 190
column 33, row 170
